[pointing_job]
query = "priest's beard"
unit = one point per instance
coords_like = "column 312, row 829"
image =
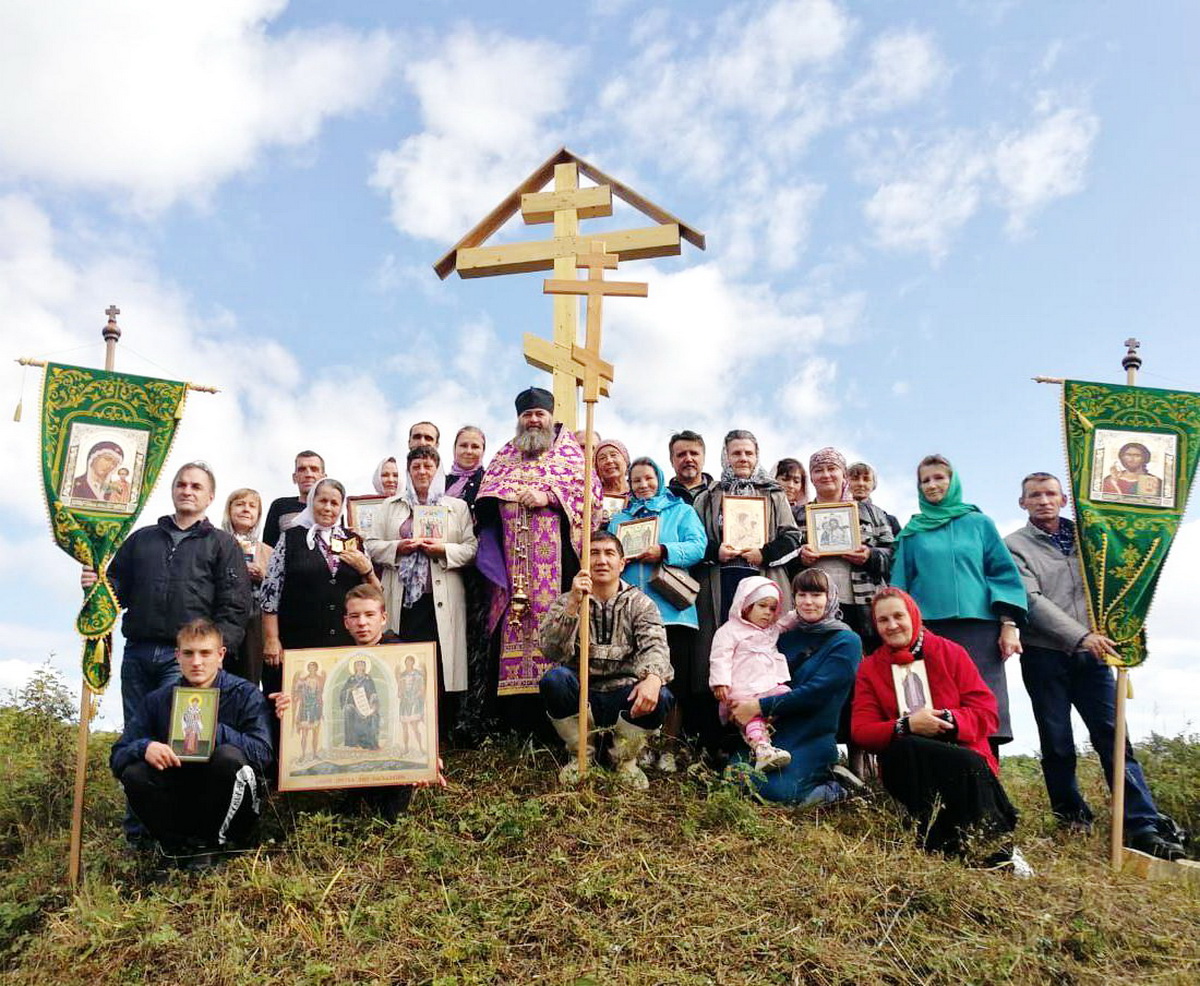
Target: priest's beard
column 533, row 441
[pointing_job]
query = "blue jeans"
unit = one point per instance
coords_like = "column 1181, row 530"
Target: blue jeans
column 145, row 666
column 559, row 688
column 1055, row 681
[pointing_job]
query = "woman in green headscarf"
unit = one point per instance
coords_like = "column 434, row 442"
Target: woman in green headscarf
column 951, row 559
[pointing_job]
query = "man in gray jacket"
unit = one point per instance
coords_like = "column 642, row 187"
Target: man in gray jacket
column 1062, row 664
column 628, row 662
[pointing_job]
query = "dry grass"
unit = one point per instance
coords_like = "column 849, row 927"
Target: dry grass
column 505, row 878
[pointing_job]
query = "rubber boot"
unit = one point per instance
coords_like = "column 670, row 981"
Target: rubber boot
column 568, row 732
column 628, row 741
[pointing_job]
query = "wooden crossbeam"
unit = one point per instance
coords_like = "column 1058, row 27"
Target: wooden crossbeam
column 559, row 360
column 586, row 203
column 521, row 258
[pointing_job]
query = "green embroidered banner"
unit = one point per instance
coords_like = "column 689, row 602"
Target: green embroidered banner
column 1132, row 454
column 105, row 437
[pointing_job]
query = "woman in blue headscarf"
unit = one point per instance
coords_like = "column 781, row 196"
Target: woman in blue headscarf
column 681, row 543
column 951, row 559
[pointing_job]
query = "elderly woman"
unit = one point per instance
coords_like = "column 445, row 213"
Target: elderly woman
column 934, row 754
column 387, row 477
column 243, row 511
column 861, row 479
column 789, row 473
column 681, row 543
column 314, row 565
column 822, row 655
column 724, row 565
column 612, row 469
column 953, row 562
column 422, row 579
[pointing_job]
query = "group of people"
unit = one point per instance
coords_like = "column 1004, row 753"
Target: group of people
column 701, row 642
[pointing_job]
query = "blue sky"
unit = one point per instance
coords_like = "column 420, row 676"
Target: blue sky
column 910, row 211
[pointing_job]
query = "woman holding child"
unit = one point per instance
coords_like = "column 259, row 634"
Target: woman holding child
column 724, row 565
column 818, row 656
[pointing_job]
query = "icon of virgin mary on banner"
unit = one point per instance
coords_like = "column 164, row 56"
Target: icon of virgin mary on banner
column 1132, row 454
column 105, row 437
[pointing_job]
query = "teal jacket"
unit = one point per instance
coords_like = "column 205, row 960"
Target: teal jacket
column 683, row 540
column 960, row 571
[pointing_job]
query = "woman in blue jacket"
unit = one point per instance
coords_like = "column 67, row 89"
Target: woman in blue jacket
column 951, row 560
column 823, row 655
column 681, row 543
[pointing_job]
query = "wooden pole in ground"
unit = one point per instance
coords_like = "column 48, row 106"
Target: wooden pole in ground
column 1131, row 363
column 585, row 611
column 112, row 334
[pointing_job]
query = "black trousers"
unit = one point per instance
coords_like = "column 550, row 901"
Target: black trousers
column 958, row 803
column 211, row 803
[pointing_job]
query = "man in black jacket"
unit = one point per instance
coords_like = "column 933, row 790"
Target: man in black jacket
column 197, row 808
column 177, row 570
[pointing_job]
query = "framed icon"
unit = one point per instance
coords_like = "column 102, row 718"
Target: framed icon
column 744, row 522
column 360, row 514
column 359, row 717
column 833, row 528
column 103, row 466
column 637, row 535
column 430, row 520
column 912, row 687
column 194, row 722
column 1134, row 467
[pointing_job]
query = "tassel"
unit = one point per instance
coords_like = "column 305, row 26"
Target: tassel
column 21, row 398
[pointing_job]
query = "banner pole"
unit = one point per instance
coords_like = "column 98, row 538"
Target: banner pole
column 112, row 335
column 1131, row 364
column 585, row 615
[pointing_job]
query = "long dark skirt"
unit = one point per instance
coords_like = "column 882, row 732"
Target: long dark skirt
column 981, row 639
column 476, row 713
column 418, row 624
column 957, row 802
column 247, row 661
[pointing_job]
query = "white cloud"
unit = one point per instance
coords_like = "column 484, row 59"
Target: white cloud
column 902, row 67
column 1044, row 162
column 162, row 100
column 485, row 101
column 760, row 67
column 934, row 191
column 927, row 190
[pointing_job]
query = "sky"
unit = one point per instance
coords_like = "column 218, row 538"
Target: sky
column 910, row 211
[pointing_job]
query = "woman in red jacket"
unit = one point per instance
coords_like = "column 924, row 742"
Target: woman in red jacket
column 933, row 752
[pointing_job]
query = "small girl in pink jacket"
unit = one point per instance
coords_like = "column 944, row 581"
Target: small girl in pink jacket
column 744, row 662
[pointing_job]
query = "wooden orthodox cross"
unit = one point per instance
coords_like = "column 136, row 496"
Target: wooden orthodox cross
column 588, row 369
column 565, row 206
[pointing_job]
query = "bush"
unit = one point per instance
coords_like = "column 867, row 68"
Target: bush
column 37, row 762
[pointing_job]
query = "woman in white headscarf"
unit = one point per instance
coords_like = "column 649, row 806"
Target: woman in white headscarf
column 387, row 477
column 422, row 578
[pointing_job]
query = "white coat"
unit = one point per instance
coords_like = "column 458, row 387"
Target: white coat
column 449, row 596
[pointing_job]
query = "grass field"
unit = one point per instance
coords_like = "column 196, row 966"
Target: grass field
column 505, row 878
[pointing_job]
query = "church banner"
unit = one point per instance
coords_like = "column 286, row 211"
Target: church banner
column 1132, row 454
column 105, row 437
